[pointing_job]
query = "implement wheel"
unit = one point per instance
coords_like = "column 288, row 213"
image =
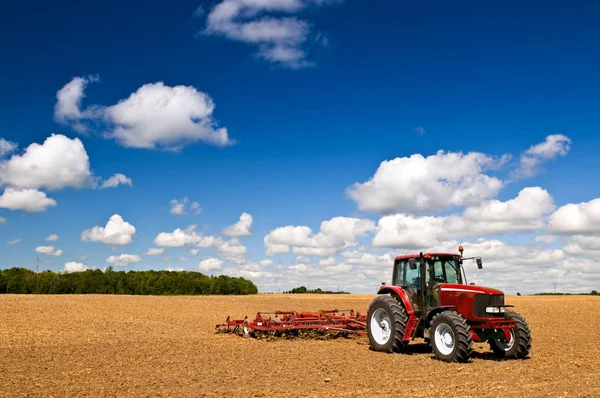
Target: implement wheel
column 520, row 339
column 450, row 337
column 386, row 323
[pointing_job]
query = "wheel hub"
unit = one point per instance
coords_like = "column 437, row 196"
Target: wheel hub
column 444, row 339
column 381, row 326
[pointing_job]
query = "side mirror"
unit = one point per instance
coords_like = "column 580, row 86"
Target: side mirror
column 479, row 264
column 382, row 283
column 412, row 263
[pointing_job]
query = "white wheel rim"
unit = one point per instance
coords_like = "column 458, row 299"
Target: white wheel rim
column 444, row 339
column 507, row 345
column 381, row 326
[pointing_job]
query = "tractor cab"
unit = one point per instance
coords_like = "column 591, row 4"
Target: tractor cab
column 423, row 277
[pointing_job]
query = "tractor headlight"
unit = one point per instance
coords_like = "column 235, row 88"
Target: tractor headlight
column 495, row 310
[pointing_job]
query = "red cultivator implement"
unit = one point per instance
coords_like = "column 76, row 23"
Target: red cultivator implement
column 293, row 323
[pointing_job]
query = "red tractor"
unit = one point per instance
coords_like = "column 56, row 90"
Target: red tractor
column 429, row 298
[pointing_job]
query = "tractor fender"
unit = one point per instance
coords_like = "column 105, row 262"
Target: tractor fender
column 399, row 294
column 436, row 311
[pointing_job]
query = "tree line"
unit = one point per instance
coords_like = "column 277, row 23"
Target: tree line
column 304, row 290
column 25, row 281
column 592, row 293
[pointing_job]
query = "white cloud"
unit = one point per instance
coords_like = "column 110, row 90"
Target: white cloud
column 184, row 206
column 552, row 147
column 438, row 181
column 240, row 228
column 335, row 234
column 68, row 104
column 210, row 264
column 14, row 241
column 154, row 116
column 232, row 250
column 154, row 251
column 194, row 252
column 162, row 116
column 7, row 147
column 74, row 267
column 30, row 200
column 185, row 237
column 123, row 260
column 280, row 39
column 116, row 232
column 48, row 250
column 420, row 130
column 523, row 214
column 581, row 218
column 116, row 180
column 57, row 163
column 51, row 238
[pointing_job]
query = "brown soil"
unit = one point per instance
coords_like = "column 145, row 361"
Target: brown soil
column 124, row 346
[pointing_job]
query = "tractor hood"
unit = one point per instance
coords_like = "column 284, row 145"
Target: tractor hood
column 458, row 289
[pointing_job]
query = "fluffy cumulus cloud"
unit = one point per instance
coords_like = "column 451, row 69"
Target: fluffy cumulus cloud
column 57, row 163
column 580, row 218
column 116, row 232
column 553, row 146
column 335, row 234
column 7, row 147
column 154, row 116
column 116, row 180
column 164, row 116
column 210, row 265
column 48, row 250
column 184, row 206
column 524, row 213
column 240, row 228
column 30, row 200
column 74, row 267
column 185, row 237
column 270, row 25
column 123, row 260
column 419, row 183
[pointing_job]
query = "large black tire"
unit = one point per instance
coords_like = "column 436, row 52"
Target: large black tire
column 392, row 314
column 521, row 340
column 452, row 343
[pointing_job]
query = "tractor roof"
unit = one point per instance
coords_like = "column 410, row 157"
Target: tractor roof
column 407, row 256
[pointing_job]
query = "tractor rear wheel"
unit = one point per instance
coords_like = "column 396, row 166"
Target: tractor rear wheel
column 520, row 339
column 386, row 323
column 450, row 337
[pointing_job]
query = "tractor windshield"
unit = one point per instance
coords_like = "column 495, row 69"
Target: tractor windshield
column 445, row 270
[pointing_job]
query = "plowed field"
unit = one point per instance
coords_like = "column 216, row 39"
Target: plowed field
column 76, row 346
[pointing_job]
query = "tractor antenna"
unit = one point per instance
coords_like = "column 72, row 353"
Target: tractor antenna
column 37, row 265
column 555, row 288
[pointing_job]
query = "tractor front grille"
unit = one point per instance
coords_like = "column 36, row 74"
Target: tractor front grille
column 488, row 300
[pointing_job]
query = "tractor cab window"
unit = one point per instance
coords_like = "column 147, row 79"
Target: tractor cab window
column 444, row 270
column 411, row 277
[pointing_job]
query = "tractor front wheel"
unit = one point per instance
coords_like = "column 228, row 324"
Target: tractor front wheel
column 450, row 337
column 519, row 344
column 386, row 323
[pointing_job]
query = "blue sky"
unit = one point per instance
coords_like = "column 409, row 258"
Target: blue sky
column 314, row 96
